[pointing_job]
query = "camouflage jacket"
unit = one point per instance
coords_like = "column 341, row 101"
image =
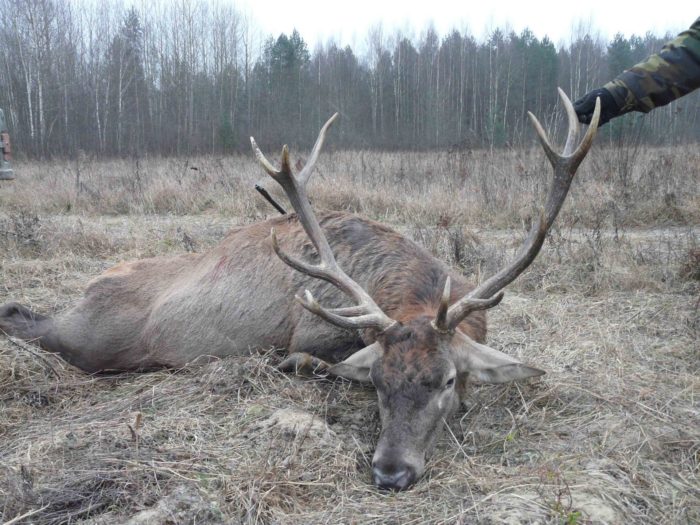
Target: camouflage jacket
column 661, row 78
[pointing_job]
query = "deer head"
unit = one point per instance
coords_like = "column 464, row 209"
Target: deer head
column 419, row 364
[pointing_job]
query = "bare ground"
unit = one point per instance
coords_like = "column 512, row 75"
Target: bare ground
column 610, row 435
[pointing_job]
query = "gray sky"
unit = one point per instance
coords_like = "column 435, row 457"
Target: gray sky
column 348, row 20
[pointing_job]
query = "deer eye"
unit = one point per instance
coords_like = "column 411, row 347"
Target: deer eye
column 450, row 383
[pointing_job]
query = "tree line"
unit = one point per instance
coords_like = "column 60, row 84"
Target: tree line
column 196, row 77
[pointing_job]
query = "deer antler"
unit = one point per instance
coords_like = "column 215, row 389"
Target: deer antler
column 488, row 293
column 366, row 314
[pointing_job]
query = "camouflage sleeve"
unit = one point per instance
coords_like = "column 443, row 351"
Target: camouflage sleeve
column 662, row 78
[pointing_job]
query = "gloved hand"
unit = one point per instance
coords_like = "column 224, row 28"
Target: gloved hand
column 586, row 104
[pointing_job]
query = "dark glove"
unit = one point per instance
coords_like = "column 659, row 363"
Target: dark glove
column 586, row 104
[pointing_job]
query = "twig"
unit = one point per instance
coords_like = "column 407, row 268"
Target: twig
column 17, row 519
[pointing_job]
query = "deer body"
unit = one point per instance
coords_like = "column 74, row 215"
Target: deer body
column 170, row 311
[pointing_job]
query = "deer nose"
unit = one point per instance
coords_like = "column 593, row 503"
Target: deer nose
column 393, row 477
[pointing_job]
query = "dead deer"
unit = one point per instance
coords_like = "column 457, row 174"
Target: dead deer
column 415, row 328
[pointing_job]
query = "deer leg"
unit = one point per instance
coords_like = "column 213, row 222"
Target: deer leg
column 301, row 362
column 19, row 321
column 313, row 348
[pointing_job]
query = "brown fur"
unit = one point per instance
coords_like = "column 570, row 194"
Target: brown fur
column 169, row 311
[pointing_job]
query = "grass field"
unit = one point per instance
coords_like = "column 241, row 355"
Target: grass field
column 610, row 310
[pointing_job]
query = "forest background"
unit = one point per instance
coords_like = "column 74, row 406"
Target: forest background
column 198, row 77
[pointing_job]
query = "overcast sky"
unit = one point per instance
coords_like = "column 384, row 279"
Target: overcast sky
column 348, row 20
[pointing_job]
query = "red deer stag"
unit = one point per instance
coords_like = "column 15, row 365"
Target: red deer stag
column 415, row 328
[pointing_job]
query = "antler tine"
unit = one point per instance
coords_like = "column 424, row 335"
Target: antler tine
column 441, row 317
column 366, row 314
column 368, row 319
column 487, row 295
column 544, row 140
column 572, row 135
column 323, row 271
column 305, row 173
column 467, row 305
column 587, row 141
column 269, row 168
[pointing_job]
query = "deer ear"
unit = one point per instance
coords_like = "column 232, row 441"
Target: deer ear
column 358, row 365
column 485, row 364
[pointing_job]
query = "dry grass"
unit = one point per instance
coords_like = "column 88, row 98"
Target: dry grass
column 610, row 435
column 497, row 189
